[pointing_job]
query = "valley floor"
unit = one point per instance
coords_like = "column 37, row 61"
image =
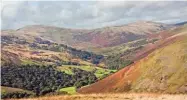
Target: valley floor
column 117, row 96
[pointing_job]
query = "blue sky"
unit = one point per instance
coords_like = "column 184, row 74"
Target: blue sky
column 92, row 14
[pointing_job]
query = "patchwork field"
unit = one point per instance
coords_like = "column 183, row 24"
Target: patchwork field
column 120, row 96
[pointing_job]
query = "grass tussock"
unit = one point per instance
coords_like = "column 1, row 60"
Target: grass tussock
column 116, row 96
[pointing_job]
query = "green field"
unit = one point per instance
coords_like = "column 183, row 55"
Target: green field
column 99, row 72
column 69, row 90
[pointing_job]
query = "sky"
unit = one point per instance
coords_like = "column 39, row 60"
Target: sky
column 90, row 14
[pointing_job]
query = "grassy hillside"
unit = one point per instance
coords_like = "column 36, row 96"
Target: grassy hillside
column 163, row 69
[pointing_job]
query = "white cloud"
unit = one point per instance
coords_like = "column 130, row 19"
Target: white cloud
column 89, row 14
column 9, row 9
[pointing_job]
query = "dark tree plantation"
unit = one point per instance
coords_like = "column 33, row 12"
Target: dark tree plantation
column 43, row 79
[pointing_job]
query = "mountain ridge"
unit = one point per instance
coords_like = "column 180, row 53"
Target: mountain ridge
column 99, row 37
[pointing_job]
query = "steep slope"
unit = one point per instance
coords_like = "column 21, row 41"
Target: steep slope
column 162, row 69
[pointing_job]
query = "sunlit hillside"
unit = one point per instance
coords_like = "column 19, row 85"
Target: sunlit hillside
column 162, row 70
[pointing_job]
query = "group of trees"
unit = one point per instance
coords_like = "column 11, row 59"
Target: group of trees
column 43, row 79
column 115, row 62
column 81, row 79
column 85, row 55
column 120, row 60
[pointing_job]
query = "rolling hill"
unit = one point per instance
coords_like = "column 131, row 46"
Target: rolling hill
column 162, row 69
column 88, row 39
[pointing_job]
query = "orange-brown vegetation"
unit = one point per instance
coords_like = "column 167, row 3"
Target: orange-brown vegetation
column 123, row 80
